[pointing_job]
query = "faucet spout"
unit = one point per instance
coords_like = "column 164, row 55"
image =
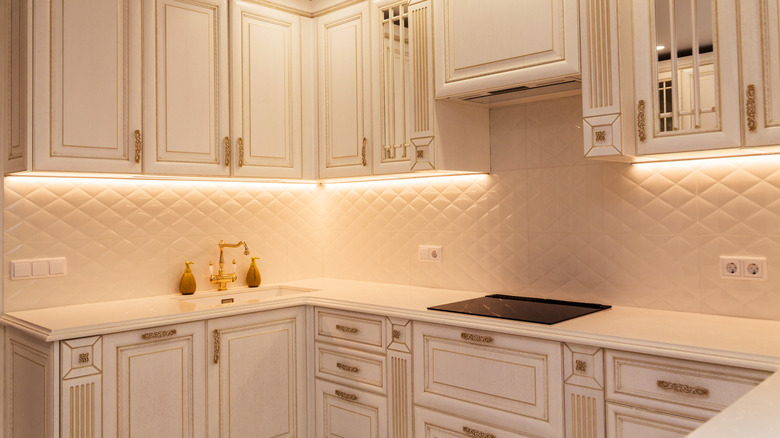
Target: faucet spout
column 221, row 278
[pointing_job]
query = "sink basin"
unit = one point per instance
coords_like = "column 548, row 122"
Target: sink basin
column 235, row 297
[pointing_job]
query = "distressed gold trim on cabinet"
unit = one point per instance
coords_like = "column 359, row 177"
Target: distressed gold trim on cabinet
column 584, row 416
column 83, row 410
column 477, row 433
column 477, row 338
column 684, row 389
column 138, row 145
column 240, row 143
column 217, row 338
column 346, row 396
column 400, row 396
column 347, row 368
column 599, row 53
column 347, row 329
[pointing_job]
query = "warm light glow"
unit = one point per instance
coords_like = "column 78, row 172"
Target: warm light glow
column 660, row 47
column 743, row 160
column 408, row 181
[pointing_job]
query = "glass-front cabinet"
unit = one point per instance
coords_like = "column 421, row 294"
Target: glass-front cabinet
column 686, row 73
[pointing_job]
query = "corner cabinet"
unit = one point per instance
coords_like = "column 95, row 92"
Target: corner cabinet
column 484, row 46
column 257, row 374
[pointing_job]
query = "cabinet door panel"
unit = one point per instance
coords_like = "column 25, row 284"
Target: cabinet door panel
column 185, row 85
column 344, row 412
column 266, row 91
column 761, row 71
column 86, row 104
column 675, row 113
column 502, row 43
column 154, row 383
column 625, row 421
column 257, row 374
column 344, row 92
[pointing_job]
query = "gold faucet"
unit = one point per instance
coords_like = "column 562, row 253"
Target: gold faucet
column 221, row 278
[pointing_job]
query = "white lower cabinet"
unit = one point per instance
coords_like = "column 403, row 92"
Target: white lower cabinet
column 257, row 375
column 627, row 421
column 652, row 396
column 510, row 381
column 153, row 381
column 346, row 412
column 434, row 424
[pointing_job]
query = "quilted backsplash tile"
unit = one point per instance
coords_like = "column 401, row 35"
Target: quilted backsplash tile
column 546, row 222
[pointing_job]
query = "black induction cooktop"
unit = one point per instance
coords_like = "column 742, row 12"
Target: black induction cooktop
column 526, row 309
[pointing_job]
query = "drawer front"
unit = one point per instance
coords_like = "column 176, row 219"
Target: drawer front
column 624, row 421
column 347, row 412
column 352, row 367
column 489, row 375
column 693, row 389
column 355, row 330
column 428, row 423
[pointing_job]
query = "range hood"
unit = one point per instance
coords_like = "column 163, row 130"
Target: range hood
column 536, row 91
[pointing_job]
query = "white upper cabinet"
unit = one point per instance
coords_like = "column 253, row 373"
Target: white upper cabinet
column 761, row 71
column 344, row 72
column 483, row 46
column 186, row 112
column 687, row 80
column 266, row 91
column 412, row 132
column 75, row 91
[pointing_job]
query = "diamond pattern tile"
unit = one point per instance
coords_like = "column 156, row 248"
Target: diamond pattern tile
column 545, row 223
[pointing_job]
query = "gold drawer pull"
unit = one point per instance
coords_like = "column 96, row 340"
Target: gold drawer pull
column 685, row 389
column 346, row 395
column 157, row 335
column 477, row 338
column 347, row 368
column 477, row 433
column 138, row 145
column 346, row 329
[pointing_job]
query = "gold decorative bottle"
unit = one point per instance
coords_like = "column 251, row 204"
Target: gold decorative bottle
column 187, row 283
column 253, row 275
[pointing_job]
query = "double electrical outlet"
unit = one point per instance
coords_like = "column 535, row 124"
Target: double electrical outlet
column 743, row 268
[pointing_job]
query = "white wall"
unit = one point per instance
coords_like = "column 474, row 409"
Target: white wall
column 546, row 222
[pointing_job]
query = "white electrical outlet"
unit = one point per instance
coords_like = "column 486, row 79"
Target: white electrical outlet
column 754, row 268
column 429, row 253
column 37, row 268
column 743, row 268
column 730, row 267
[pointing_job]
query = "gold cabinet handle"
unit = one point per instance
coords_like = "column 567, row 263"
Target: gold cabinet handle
column 138, row 145
column 346, row 395
column 640, row 120
column 347, row 368
column 240, row 143
column 158, row 335
column 750, row 110
column 346, row 329
column 217, row 337
column 685, row 389
column 363, row 151
column 477, row 338
column 477, row 433
column 227, row 151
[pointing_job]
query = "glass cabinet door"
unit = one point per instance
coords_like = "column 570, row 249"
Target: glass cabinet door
column 686, row 72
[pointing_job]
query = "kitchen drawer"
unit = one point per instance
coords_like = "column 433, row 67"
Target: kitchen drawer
column 428, row 423
column 346, row 412
column 625, row 421
column 351, row 367
column 356, row 330
column 512, row 380
column 693, row 389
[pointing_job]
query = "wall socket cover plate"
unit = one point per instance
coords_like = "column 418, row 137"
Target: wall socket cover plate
column 743, row 268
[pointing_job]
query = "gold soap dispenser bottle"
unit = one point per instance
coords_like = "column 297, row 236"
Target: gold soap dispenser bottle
column 253, row 275
column 187, row 283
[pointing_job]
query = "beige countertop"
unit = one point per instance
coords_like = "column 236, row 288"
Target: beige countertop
column 726, row 340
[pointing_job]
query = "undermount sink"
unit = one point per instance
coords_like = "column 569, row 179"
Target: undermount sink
column 236, row 297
